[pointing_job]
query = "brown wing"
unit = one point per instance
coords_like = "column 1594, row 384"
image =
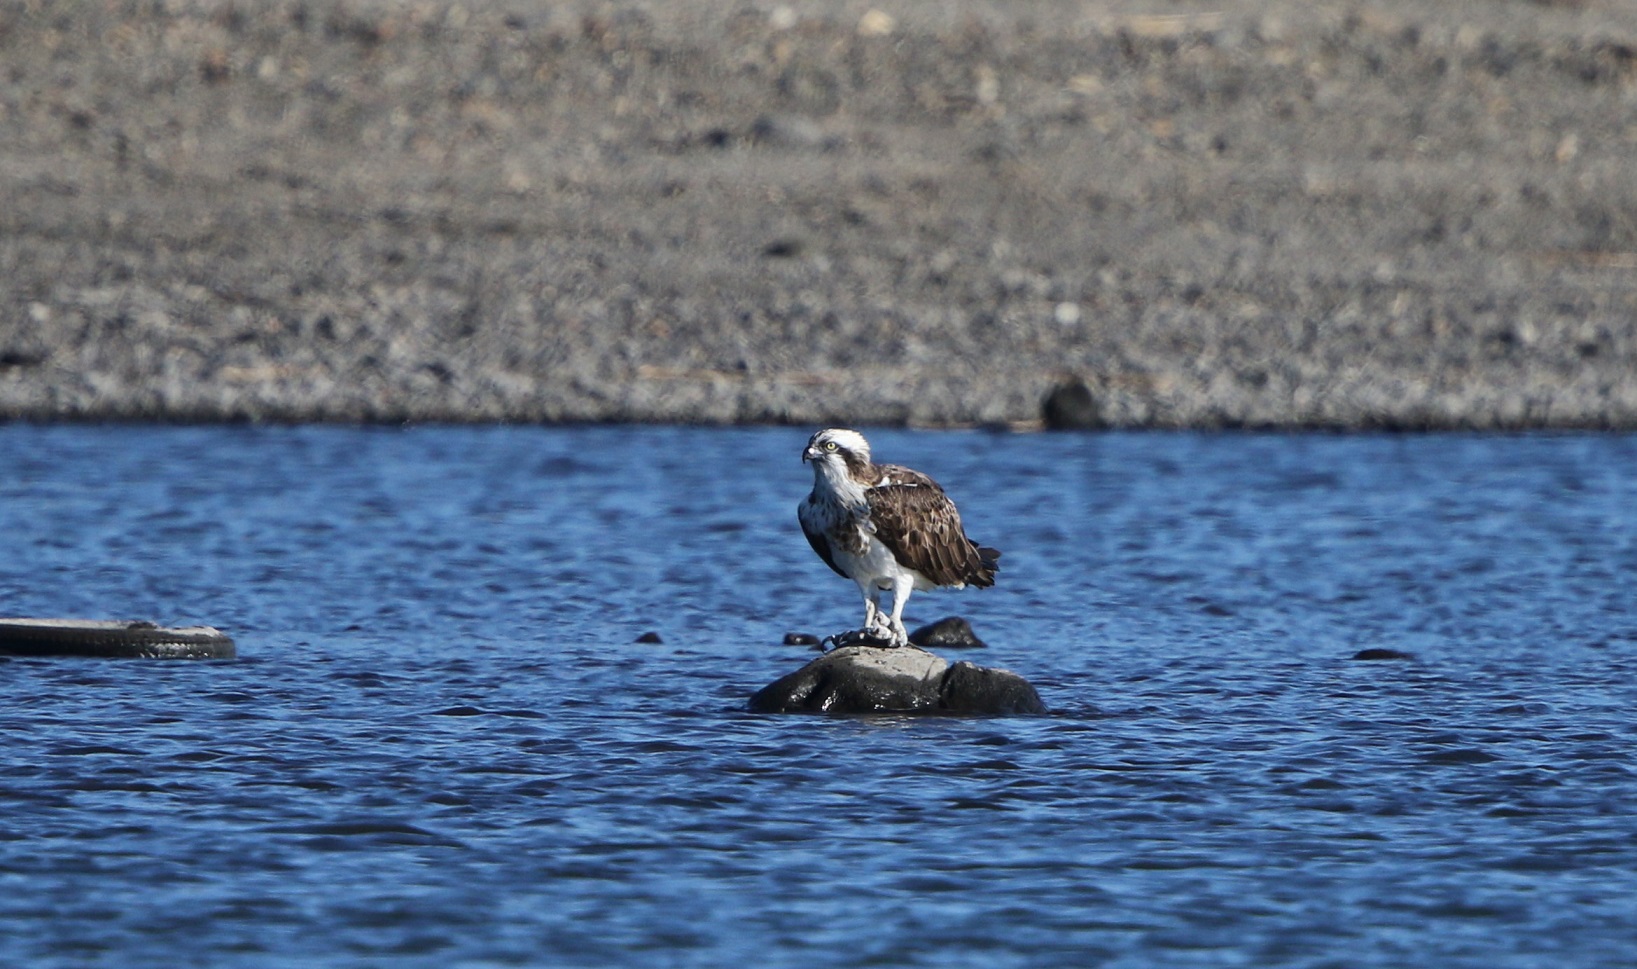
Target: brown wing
column 917, row 521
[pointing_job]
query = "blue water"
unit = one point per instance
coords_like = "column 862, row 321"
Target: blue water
column 441, row 745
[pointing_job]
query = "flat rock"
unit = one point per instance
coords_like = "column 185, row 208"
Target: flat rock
column 907, row 679
column 130, row 638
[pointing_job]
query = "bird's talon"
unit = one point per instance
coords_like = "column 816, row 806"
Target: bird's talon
column 861, row 637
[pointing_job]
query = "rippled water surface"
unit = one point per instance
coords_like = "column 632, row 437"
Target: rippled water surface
column 442, row 746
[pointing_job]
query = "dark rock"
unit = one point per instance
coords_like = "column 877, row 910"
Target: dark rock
column 970, row 688
column 800, row 639
column 21, row 358
column 950, row 632
column 1381, row 653
column 1070, row 406
column 873, row 679
column 786, row 248
column 134, row 638
column 649, row 637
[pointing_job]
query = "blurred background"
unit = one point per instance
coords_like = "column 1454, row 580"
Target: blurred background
column 1379, row 213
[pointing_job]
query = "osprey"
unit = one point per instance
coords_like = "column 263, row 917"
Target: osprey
column 886, row 527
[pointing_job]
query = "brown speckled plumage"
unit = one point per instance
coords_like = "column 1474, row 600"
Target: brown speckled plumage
column 858, row 509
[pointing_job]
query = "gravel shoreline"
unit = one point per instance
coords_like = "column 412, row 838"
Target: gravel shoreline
column 1235, row 214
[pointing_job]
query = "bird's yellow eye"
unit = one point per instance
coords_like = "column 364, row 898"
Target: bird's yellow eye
column 829, row 445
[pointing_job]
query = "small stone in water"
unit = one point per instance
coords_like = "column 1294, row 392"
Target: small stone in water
column 1377, row 652
column 951, row 632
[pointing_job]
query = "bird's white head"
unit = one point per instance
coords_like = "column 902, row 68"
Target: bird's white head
column 837, row 451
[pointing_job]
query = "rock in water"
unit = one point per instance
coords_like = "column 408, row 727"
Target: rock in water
column 950, row 632
column 872, row 679
column 970, row 688
column 1382, row 653
column 130, row 638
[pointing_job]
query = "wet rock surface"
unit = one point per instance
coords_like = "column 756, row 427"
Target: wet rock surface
column 907, row 679
column 107, row 638
column 950, row 632
column 1368, row 214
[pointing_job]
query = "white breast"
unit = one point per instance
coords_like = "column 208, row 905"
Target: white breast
column 837, row 507
column 877, row 567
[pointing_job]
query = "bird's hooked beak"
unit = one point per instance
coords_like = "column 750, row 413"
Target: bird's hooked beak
column 808, row 454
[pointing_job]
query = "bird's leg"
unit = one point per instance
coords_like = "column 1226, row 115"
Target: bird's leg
column 872, row 608
column 901, row 588
column 875, row 624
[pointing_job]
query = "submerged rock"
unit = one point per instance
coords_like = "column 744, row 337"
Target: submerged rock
column 1380, row 653
column 906, row 679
